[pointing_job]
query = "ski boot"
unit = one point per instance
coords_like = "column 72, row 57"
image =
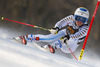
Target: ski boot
column 21, row 39
column 49, row 48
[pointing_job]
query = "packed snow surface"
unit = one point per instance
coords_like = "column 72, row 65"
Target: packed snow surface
column 13, row 54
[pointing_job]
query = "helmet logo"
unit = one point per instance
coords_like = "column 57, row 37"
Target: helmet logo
column 82, row 13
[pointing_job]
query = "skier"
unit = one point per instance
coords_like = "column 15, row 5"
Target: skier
column 73, row 35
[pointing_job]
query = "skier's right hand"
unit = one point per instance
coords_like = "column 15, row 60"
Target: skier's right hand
column 54, row 30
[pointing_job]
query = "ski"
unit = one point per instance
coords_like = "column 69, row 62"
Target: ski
column 47, row 48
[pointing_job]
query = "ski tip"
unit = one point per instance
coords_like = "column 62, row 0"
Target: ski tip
column 2, row 18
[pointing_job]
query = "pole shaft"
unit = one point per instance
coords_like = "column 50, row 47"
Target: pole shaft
column 90, row 25
column 19, row 22
column 71, row 52
column 82, row 51
column 25, row 24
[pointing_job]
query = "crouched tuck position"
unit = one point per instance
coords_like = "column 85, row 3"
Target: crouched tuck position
column 74, row 33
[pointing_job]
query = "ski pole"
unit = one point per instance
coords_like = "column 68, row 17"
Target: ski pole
column 82, row 51
column 68, row 48
column 25, row 24
column 71, row 51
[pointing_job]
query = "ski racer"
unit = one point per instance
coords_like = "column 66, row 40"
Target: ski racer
column 75, row 32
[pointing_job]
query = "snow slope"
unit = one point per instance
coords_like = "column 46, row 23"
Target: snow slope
column 13, row 54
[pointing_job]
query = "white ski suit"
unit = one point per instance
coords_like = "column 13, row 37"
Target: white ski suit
column 77, row 35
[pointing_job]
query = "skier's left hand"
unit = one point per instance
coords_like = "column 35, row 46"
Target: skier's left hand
column 65, row 38
column 54, row 30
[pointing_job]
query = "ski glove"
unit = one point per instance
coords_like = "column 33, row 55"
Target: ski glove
column 65, row 38
column 54, row 30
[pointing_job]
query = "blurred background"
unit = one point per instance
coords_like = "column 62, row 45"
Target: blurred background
column 46, row 13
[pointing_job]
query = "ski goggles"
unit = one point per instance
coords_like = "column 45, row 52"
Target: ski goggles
column 79, row 18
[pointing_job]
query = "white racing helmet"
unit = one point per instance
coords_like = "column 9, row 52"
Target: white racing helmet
column 81, row 14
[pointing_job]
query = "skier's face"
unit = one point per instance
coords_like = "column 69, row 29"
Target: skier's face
column 79, row 23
